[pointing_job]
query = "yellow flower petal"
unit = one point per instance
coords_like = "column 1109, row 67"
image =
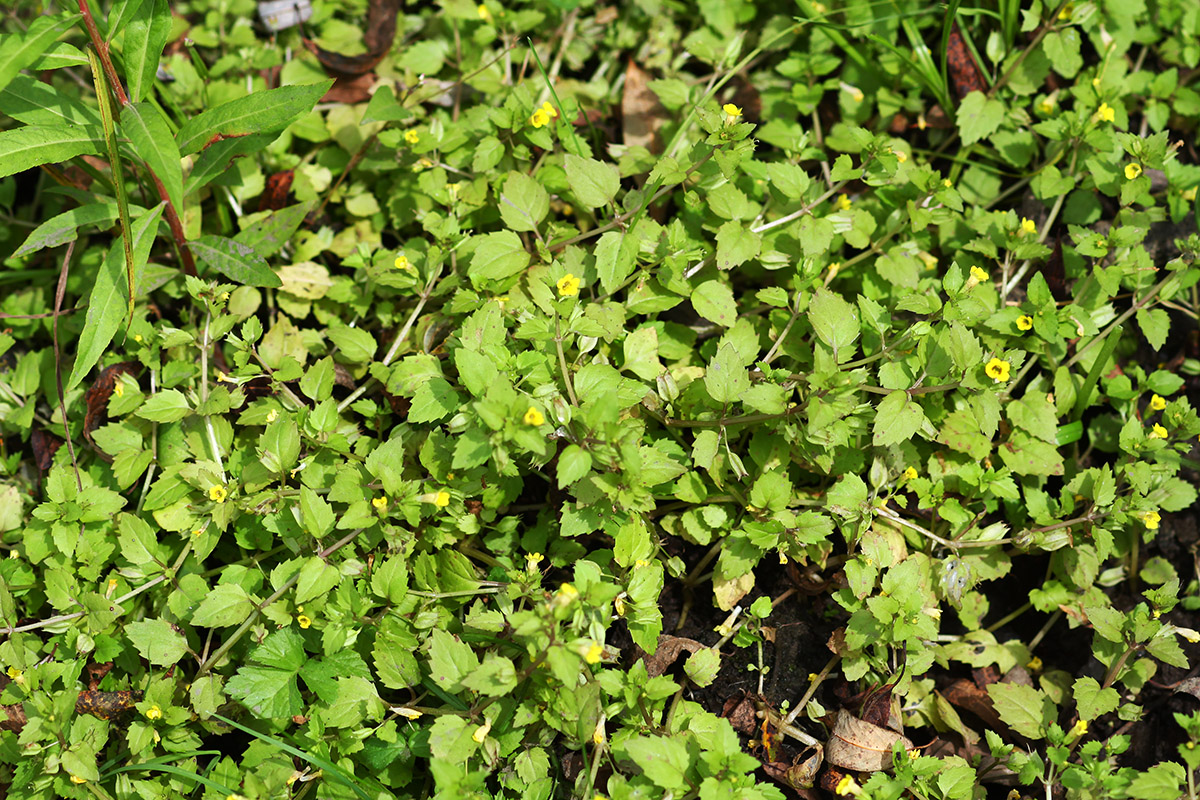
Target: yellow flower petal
column 533, row 417
column 1024, row 322
column 1132, row 171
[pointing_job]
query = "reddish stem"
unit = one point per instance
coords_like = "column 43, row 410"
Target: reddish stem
column 171, row 213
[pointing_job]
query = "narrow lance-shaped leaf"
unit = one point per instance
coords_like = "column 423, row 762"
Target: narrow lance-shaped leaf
column 34, row 145
column 19, row 51
column 261, row 112
column 36, row 103
column 105, row 308
column 145, row 38
column 152, row 141
column 64, row 227
column 235, row 260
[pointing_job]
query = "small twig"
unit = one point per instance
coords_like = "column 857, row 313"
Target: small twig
column 59, row 292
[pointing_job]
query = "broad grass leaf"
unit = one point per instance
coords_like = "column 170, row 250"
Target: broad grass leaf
column 261, row 112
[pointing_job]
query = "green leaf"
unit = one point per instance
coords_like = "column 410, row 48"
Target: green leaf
column 978, row 117
column 169, row 405
column 663, row 761
column 1092, row 700
column 714, row 301
column 573, row 463
column 64, row 227
column 218, row 157
column 267, row 685
column 138, row 543
column 736, row 244
column 36, row 103
column 815, row 235
column 524, row 203
column 835, row 322
column 234, row 260
column 1155, row 324
column 1062, row 48
column 897, row 418
column 498, row 256
column 726, row 377
column 495, row 677
column 145, row 37
column 18, row 51
column 317, row 514
column 702, row 666
column 151, row 138
column 1026, row 710
column 593, row 183
column 268, row 235
column 317, row 577
column 435, row 399
column 616, row 255
column 157, row 641
column 354, row 344
column 261, row 112
column 227, row 604
column 1162, row 781
column 450, row 660
column 33, row 145
column 107, row 302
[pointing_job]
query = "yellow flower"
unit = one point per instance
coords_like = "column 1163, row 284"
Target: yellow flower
column 409, row 713
column 1066, row 12
column 1024, row 322
column 732, row 113
column 137, row 337
column 153, row 712
column 412, row 137
column 303, row 622
column 594, row 653
column 619, row 605
column 1034, row 664
column 1157, row 432
column 401, row 262
column 1079, row 728
column 842, row 202
column 598, row 736
column 1151, row 520
column 1028, row 226
column 565, row 595
column 833, row 269
column 1157, row 403
column 119, row 389
column 484, row 14
column 482, row 731
column 1047, row 105
column 997, row 370
column 1189, row 194
column 534, row 417
column 442, row 499
column 217, row 494
column 854, row 91
column 910, row 473
column 847, row 785
column 1105, row 113
column 540, row 118
column 901, row 156
column 549, row 109
column 77, row 779
column 1132, row 171
column 947, row 183
column 568, row 285
column 978, row 274
column 379, row 502
column 272, row 415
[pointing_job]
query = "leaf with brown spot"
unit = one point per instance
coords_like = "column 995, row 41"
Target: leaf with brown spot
column 44, row 447
column 274, row 196
column 107, row 705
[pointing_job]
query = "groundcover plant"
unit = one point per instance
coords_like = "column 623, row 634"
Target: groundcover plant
column 567, row 399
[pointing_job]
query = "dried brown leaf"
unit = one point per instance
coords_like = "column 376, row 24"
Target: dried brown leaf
column 641, row 112
column 861, row 746
column 669, row 648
